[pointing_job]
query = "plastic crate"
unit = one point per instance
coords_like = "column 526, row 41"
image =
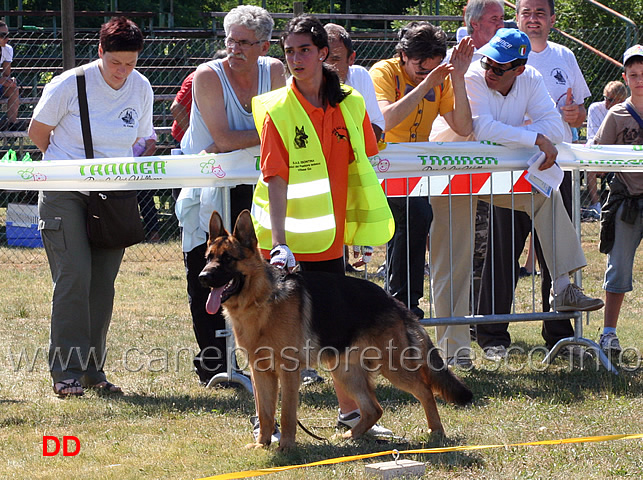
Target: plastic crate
column 18, row 236
column 22, row 226
column 22, row 214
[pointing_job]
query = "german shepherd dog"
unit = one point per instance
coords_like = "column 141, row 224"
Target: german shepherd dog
column 285, row 322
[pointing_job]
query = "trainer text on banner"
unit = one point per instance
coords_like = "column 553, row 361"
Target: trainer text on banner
column 240, row 166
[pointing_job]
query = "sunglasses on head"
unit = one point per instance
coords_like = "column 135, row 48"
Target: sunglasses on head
column 4, row 34
column 497, row 71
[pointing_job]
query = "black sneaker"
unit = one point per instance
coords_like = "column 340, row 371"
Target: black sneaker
column 310, row 376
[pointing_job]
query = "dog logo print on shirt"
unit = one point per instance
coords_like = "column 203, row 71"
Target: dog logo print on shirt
column 129, row 117
column 341, row 133
column 560, row 76
column 301, row 139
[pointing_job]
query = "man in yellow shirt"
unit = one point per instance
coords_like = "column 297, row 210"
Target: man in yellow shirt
column 412, row 88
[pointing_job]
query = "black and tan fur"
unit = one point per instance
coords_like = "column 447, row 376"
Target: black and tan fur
column 297, row 315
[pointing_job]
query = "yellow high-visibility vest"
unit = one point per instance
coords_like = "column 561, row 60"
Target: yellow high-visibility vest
column 310, row 220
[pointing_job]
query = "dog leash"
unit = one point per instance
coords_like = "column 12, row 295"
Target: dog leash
column 316, row 437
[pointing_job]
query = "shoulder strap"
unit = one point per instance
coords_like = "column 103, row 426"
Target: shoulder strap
column 84, row 112
column 635, row 115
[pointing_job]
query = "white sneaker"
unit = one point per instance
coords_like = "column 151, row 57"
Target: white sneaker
column 495, row 353
column 274, row 438
column 463, row 362
column 348, row 421
column 609, row 343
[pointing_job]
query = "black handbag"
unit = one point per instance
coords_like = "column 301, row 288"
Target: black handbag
column 113, row 218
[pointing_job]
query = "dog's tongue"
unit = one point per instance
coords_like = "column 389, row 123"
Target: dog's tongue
column 214, row 300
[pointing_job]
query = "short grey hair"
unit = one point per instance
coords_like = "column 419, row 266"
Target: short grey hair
column 475, row 10
column 254, row 18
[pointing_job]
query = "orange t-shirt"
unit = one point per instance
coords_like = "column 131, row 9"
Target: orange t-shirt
column 331, row 129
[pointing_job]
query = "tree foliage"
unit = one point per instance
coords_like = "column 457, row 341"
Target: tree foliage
column 571, row 14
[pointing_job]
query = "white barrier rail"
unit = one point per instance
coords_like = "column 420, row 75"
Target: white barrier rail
column 241, row 166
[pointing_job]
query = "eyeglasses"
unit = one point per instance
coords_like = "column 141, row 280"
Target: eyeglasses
column 497, row 71
column 610, row 99
column 4, row 34
column 243, row 44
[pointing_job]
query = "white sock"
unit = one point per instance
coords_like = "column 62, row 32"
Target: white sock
column 561, row 283
column 344, row 415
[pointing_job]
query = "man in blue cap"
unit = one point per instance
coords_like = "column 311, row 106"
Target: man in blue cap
column 566, row 86
column 502, row 92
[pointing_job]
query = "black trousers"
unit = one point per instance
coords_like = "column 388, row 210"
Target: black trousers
column 336, row 265
column 420, row 215
column 501, row 245
column 211, row 358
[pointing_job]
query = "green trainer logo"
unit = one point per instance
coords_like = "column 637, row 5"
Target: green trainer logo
column 448, row 160
column 130, row 168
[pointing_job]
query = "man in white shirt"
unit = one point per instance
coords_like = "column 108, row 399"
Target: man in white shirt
column 502, row 92
column 567, row 88
column 8, row 84
column 342, row 57
column 483, row 18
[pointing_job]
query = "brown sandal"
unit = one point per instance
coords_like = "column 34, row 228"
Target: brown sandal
column 66, row 385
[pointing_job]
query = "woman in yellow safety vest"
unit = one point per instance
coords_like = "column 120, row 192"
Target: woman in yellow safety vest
column 317, row 189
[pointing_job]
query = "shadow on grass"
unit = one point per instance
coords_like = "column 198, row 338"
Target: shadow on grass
column 217, row 400
column 309, row 453
column 562, row 382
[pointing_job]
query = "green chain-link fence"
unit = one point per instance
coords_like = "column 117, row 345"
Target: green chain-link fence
column 167, row 59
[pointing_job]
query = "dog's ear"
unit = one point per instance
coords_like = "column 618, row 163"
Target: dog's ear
column 244, row 231
column 216, row 226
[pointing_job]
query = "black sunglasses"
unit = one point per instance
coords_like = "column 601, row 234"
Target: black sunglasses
column 498, row 71
column 4, row 34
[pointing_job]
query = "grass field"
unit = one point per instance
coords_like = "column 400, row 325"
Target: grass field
column 166, row 426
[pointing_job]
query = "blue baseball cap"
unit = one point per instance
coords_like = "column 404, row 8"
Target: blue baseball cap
column 507, row 45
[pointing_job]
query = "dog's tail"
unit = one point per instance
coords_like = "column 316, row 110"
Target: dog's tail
column 445, row 383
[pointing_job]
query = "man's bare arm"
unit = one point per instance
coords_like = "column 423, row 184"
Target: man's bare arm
column 180, row 115
column 208, row 95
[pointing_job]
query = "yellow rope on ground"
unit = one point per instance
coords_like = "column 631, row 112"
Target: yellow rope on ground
column 331, row 461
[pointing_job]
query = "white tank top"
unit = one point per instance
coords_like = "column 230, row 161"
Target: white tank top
column 198, row 136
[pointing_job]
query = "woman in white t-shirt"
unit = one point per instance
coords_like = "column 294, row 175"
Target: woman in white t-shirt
column 120, row 111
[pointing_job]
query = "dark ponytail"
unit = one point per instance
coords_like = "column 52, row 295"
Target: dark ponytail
column 332, row 91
